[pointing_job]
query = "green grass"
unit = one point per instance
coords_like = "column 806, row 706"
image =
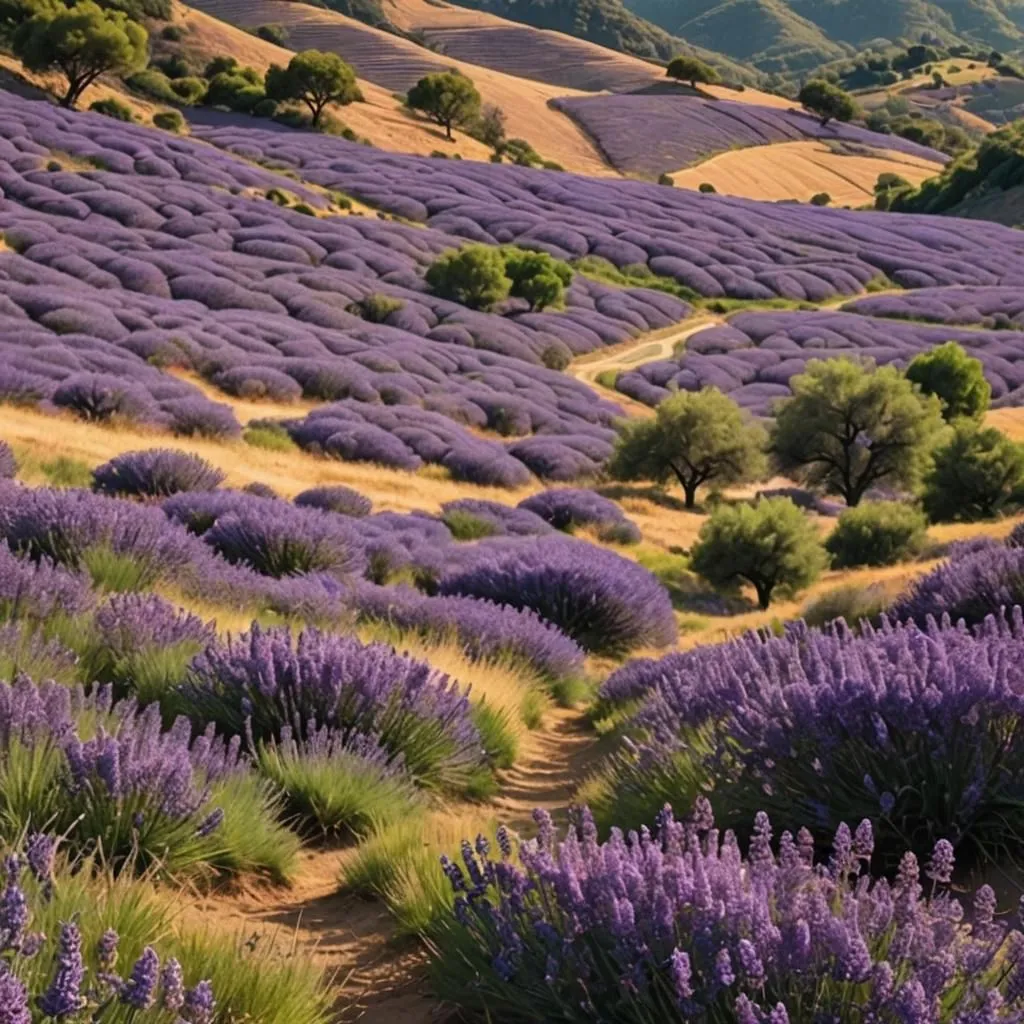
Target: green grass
column 497, row 733
column 466, row 526
column 62, row 471
column 269, row 437
column 637, row 275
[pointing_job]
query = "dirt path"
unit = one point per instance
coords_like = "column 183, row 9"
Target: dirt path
column 375, row 979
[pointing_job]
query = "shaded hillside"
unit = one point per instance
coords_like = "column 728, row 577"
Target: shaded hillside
column 609, row 23
column 794, row 35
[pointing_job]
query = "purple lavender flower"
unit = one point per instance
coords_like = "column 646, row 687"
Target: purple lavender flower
column 200, row 1004
column 13, row 998
column 172, row 985
column 140, row 991
column 64, row 997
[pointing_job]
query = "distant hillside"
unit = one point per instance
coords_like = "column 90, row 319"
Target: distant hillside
column 796, row 35
column 609, row 23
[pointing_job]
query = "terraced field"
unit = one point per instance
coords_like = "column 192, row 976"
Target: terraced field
column 395, row 64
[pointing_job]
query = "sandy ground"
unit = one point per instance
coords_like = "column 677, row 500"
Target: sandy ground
column 394, row 64
column 799, row 170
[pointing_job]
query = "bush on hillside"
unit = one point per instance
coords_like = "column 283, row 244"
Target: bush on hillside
column 876, row 533
column 156, row 473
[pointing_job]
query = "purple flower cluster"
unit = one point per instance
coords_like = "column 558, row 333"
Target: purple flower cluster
column 156, row 473
column 54, row 977
column 263, row 681
column 568, row 508
column 648, row 133
column 496, row 520
column 993, row 307
column 39, row 590
column 676, row 924
column 343, row 500
column 483, row 629
column 753, row 357
column 604, row 602
column 913, row 728
column 8, row 463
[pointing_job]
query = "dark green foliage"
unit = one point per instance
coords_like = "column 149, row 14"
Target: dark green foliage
column 189, row 90
column 838, row 405
column 772, row 545
column 112, row 108
column 314, row 78
column 172, row 33
column 169, row 121
column 82, row 43
column 520, row 152
column 697, row 438
column 955, row 378
column 537, row 277
column 821, row 199
column 173, row 65
column 276, row 34
column 666, row 179
column 473, row 276
column 876, row 533
column 707, row 188
column 447, row 98
column 234, row 90
column 153, row 84
column 376, row 308
column 828, row 101
column 977, row 474
column 692, row 70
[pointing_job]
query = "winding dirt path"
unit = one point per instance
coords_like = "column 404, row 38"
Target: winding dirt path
column 375, row 978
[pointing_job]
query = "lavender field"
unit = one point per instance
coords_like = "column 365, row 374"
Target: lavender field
column 656, row 133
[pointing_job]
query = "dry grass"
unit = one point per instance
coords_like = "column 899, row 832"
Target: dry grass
column 799, row 170
column 48, row 437
column 393, row 64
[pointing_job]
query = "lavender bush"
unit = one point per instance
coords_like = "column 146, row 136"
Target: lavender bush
column 676, row 924
column 568, row 509
column 100, row 397
column 471, row 518
column 343, row 500
column 913, row 728
column 264, row 681
column 607, row 604
column 156, row 473
column 8, row 463
column 40, row 590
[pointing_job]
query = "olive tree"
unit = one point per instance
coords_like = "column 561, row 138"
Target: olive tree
column 851, row 426
column 772, row 546
column 447, row 98
column 828, row 101
column 956, row 379
column 692, row 70
column 473, row 275
column 82, row 43
column 697, row 437
column 314, row 78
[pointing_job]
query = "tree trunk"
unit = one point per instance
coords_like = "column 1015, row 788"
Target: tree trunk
column 764, row 595
column 448, row 130
column 690, row 493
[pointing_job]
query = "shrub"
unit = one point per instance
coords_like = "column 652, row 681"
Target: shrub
column 37, row 591
column 8, row 463
column 287, row 541
column 169, row 121
column 262, row 681
column 821, row 199
column 537, row 277
column 494, row 519
column 172, row 33
column 976, row 474
column 955, row 378
column 258, row 382
column 567, row 509
column 199, row 417
column 376, row 308
column 772, row 546
column 691, row 69
column 607, row 604
column 854, row 603
column 547, row 929
column 876, row 533
column 154, row 84
column 828, row 101
column 707, row 188
column 114, row 108
column 473, row 276
column 234, row 91
column 189, row 89
column 270, row 436
column 99, row 397
column 697, row 438
column 276, row 34
column 343, row 500
column 666, row 179
column 156, row 473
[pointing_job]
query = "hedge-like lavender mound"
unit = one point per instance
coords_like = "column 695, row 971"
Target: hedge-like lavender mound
column 156, row 473
column 570, row 508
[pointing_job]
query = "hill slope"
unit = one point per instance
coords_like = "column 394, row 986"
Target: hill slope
column 794, row 35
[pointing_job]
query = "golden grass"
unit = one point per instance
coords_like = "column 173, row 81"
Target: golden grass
column 799, row 170
column 47, row 437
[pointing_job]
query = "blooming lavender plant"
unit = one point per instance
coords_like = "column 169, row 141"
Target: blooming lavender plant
column 8, row 463
column 916, row 729
column 567, row 509
column 156, row 473
column 676, row 924
column 38, row 590
column 343, row 500
column 264, row 681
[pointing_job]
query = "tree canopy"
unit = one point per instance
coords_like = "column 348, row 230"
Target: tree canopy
column 447, row 98
column 955, row 378
column 692, row 70
column 828, row 101
column 473, row 275
column 697, row 438
column 314, row 78
column 82, row 43
column 976, row 474
column 850, row 426
column 772, row 546
column 536, row 276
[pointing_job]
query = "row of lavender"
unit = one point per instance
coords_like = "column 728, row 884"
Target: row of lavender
column 753, row 357
column 877, row 751
column 656, row 133
column 165, row 259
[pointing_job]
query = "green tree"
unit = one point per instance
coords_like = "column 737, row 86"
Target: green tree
column 536, row 276
column 314, row 78
column 876, row 533
column 828, row 101
column 474, row 276
column 14, row 13
column 697, row 437
column 490, row 126
column 82, row 43
column 772, row 546
column 850, row 426
column 692, row 70
column 957, row 380
column 976, row 474
column 447, row 98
